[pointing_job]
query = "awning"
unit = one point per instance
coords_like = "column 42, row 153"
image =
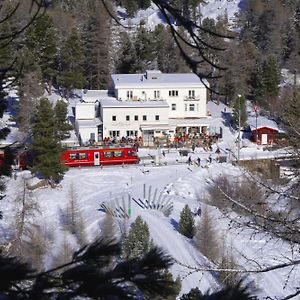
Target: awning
column 157, row 127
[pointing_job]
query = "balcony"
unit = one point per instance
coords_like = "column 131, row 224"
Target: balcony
column 191, row 98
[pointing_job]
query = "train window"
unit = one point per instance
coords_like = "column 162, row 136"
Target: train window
column 82, row 155
column 108, row 154
column 72, row 156
column 118, row 153
column 131, row 153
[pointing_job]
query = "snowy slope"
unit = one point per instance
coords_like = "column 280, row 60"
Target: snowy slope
column 212, row 9
column 184, row 185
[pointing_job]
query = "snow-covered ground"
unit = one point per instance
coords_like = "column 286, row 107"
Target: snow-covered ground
column 181, row 184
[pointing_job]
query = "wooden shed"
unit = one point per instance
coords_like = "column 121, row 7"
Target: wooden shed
column 264, row 131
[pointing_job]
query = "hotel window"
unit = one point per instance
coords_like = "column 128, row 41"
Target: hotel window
column 144, row 118
column 127, row 118
column 185, row 107
column 114, row 118
column 173, row 93
column 173, row 106
column 192, row 107
column 157, row 118
column 156, row 94
column 131, row 133
column 114, row 133
column 191, row 94
column 129, row 94
column 136, row 118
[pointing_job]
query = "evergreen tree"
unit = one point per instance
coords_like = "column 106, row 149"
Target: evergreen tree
column 97, row 46
column 72, row 61
column 138, row 240
column 168, row 58
column 193, row 294
column 271, row 77
column 41, row 40
column 239, row 108
column 187, row 222
column 144, row 49
column 127, row 55
column 131, row 7
column 63, row 127
column 167, row 275
column 46, row 146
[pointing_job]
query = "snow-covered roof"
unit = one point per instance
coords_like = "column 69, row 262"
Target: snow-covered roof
column 93, row 95
column 261, row 123
column 113, row 102
column 161, row 80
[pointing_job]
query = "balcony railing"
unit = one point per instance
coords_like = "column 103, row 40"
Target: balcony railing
column 191, row 98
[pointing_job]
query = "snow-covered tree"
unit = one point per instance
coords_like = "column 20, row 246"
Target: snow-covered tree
column 187, row 222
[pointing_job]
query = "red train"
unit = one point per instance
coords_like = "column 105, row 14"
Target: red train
column 99, row 156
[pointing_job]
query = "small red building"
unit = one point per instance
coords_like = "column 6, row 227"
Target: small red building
column 264, row 131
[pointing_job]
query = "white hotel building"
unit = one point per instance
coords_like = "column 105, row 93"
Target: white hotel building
column 147, row 105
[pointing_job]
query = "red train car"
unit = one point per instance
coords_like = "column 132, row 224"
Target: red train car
column 99, row 156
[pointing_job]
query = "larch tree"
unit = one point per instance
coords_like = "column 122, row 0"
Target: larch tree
column 46, row 145
column 187, row 222
column 206, row 237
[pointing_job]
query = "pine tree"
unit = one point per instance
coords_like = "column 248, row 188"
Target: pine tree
column 138, row 240
column 187, row 222
column 46, row 146
column 240, row 109
column 61, row 120
column 41, row 40
column 126, row 56
column 97, row 46
column 167, row 275
column 72, row 61
column 271, row 77
column 144, row 49
column 193, row 294
column 131, row 7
